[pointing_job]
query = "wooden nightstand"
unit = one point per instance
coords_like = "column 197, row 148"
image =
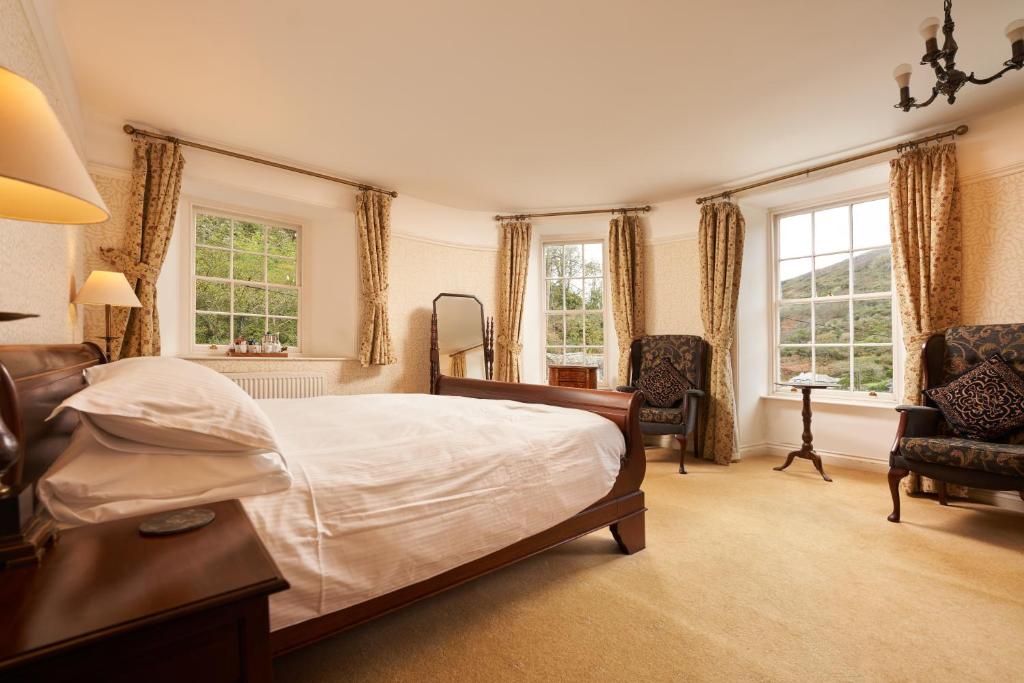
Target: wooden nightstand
column 109, row 604
column 580, row 376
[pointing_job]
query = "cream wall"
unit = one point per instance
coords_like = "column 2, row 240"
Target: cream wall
column 40, row 264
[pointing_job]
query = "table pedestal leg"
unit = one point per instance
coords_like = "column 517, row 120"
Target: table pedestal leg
column 807, row 448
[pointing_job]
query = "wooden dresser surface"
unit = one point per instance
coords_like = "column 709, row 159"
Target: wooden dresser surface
column 579, row 376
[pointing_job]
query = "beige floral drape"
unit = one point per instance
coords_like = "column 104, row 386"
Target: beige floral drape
column 458, row 364
column 373, row 220
column 720, row 241
column 513, row 257
column 925, row 227
column 156, row 185
column 626, row 266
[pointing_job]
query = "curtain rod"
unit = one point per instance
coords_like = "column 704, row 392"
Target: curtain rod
column 132, row 130
column 524, row 216
column 959, row 130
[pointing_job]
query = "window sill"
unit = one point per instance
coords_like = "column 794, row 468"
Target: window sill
column 879, row 403
column 220, row 356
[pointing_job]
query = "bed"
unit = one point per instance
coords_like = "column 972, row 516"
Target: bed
column 36, row 378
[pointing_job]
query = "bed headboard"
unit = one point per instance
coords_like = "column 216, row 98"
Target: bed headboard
column 34, row 379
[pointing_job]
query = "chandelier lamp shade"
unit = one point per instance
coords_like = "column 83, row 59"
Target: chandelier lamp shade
column 42, row 178
column 949, row 79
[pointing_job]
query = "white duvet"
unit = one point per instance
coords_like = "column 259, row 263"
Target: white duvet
column 392, row 489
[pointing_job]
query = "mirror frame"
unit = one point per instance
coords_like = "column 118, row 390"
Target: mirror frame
column 486, row 333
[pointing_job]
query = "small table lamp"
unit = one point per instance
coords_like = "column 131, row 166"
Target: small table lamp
column 107, row 288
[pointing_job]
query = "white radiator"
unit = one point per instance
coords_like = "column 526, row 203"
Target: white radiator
column 279, row 384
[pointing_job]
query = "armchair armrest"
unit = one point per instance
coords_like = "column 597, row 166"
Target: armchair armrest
column 627, row 389
column 696, row 393
column 915, row 421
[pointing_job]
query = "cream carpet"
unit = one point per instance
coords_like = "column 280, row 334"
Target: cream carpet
column 748, row 574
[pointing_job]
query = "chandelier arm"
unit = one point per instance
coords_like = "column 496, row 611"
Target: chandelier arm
column 982, row 81
column 935, row 93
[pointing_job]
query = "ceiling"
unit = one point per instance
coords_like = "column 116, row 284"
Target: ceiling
column 500, row 105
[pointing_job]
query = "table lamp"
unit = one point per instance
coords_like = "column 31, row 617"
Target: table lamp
column 42, row 180
column 109, row 289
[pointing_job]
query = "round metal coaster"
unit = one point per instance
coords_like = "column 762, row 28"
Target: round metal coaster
column 175, row 522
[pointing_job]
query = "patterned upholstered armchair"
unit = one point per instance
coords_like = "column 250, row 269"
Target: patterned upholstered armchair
column 688, row 353
column 925, row 443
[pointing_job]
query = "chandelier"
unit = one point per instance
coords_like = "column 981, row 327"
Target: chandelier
column 949, row 79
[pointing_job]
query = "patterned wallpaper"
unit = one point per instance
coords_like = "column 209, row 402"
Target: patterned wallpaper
column 115, row 191
column 673, row 289
column 993, row 217
column 40, row 265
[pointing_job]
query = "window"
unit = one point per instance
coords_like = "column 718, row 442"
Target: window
column 574, row 304
column 246, row 279
column 834, row 303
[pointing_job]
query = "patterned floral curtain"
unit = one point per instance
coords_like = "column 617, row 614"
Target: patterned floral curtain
column 924, row 223
column 513, row 258
column 373, row 219
column 458, row 364
column 626, row 266
column 720, row 240
column 156, row 185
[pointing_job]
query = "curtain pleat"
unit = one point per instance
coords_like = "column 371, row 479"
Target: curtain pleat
column 373, row 220
column 458, row 364
column 927, row 256
column 156, row 185
column 720, row 240
column 513, row 259
column 626, row 267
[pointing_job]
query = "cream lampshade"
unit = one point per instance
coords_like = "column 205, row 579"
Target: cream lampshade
column 107, row 288
column 41, row 177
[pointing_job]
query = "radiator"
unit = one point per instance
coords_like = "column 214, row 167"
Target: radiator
column 279, row 384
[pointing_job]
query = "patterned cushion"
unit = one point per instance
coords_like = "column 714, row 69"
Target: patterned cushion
column 671, row 416
column 968, row 346
column 995, row 458
column 686, row 351
column 984, row 403
column 663, row 385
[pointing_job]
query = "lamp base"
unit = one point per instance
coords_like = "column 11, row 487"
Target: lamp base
column 25, row 532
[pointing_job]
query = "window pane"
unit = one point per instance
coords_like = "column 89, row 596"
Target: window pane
column 594, row 329
column 872, row 320
column 288, row 329
column 282, row 241
column 573, row 260
column 250, row 327
column 250, row 299
column 595, row 357
column 574, row 330
column 794, row 363
column 248, row 267
column 213, row 329
column 871, row 224
column 213, row 296
column 593, row 294
column 213, row 262
column 281, row 271
column 553, row 260
column 872, row 270
column 556, row 294
column 284, row 301
column 593, row 256
column 832, row 322
column 250, row 236
column 213, row 230
column 795, row 323
column 795, row 236
column 833, row 364
column 574, row 295
column 556, row 330
column 832, row 230
column 574, row 356
column 832, row 275
column 554, row 356
column 795, row 278
column 872, row 368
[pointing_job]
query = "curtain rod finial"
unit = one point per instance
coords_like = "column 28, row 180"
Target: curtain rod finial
column 961, row 130
column 128, row 128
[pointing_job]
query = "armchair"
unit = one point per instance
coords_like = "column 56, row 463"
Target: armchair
column 688, row 353
column 925, row 443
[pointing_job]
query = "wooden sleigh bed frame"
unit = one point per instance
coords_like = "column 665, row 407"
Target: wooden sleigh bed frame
column 34, row 379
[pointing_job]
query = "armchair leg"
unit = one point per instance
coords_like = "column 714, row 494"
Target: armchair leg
column 896, row 475
column 940, row 487
column 681, row 438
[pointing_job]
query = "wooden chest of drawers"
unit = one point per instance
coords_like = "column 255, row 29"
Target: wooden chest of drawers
column 578, row 376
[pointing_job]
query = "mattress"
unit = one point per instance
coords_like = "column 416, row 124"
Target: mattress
column 389, row 490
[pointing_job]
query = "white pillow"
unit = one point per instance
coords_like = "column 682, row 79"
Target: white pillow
column 91, row 483
column 171, row 405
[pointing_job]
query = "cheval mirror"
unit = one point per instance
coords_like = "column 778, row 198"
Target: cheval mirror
column 461, row 338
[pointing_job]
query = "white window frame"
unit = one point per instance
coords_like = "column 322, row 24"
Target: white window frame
column 605, row 301
column 835, row 395
column 234, row 214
